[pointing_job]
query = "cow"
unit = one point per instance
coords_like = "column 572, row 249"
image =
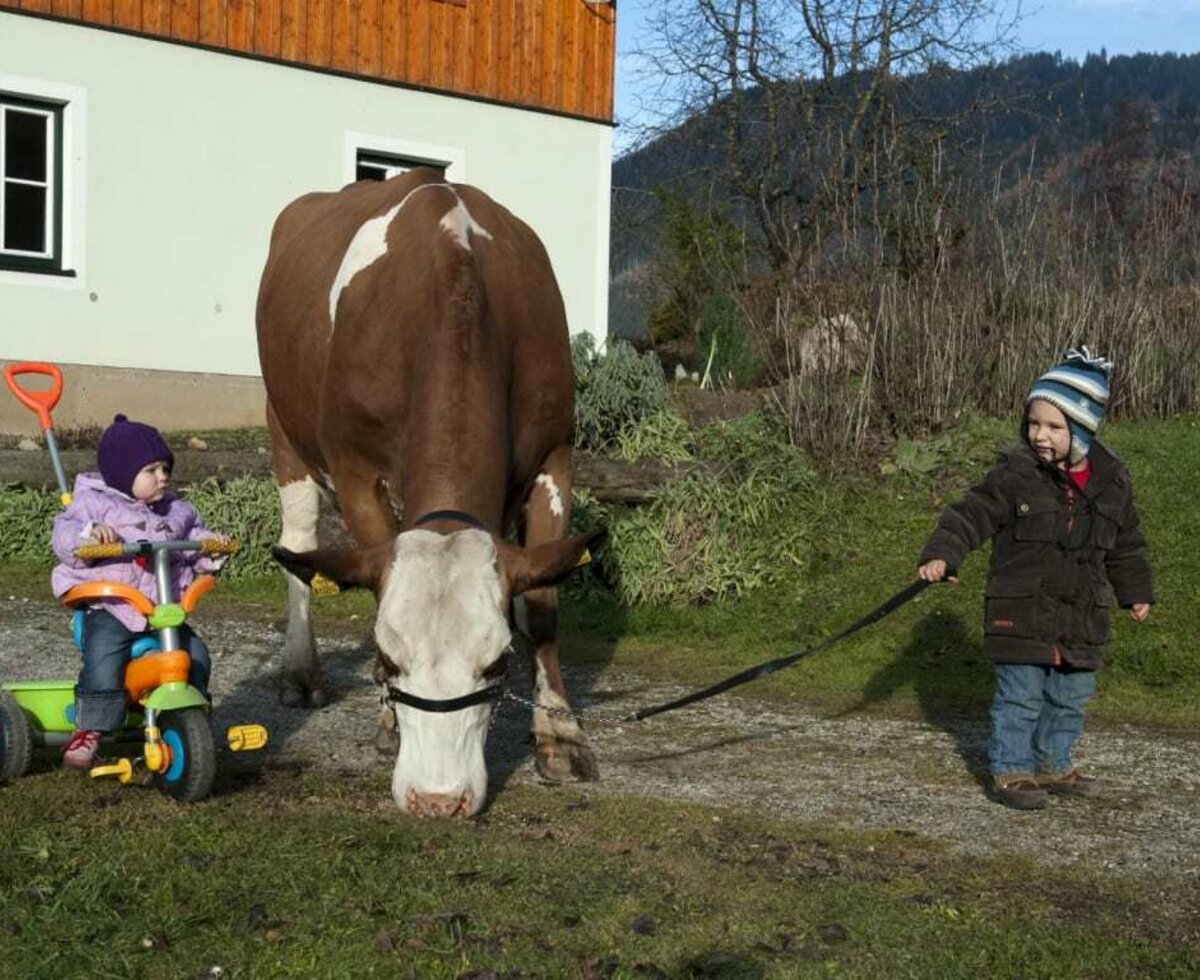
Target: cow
column 416, row 358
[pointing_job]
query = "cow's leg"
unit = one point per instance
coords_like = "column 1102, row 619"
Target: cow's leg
column 299, row 505
column 561, row 748
column 370, row 516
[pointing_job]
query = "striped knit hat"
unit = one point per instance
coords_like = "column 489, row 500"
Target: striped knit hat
column 1078, row 387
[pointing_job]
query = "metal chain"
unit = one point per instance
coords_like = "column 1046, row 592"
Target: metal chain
column 576, row 714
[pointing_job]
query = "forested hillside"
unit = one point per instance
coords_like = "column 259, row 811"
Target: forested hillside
column 1107, row 129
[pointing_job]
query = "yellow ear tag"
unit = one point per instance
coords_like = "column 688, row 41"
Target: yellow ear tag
column 323, row 586
column 584, row 559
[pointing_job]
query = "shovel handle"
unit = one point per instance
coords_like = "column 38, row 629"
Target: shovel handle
column 38, row 402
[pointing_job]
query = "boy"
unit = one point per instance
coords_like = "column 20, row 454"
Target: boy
column 1060, row 509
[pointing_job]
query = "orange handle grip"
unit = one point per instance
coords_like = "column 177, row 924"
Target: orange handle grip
column 215, row 547
column 38, row 402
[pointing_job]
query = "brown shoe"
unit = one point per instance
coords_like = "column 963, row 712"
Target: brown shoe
column 1070, row 783
column 1019, row 790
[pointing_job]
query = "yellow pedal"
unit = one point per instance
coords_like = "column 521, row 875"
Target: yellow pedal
column 323, row 586
column 584, row 559
column 122, row 769
column 246, row 738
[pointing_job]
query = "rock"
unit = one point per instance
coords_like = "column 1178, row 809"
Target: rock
column 28, row 445
column 195, row 442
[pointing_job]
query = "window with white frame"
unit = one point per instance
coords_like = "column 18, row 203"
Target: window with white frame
column 370, row 156
column 31, row 177
column 372, row 165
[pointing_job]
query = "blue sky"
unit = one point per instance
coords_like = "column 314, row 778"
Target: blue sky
column 1074, row 27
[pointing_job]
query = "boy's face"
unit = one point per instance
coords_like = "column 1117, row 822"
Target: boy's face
column 152, row 482
column 1047, row 430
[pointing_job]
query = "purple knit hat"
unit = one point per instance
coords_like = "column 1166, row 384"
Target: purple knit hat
column 125, row 447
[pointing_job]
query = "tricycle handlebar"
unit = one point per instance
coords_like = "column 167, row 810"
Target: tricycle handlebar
column 213, row 547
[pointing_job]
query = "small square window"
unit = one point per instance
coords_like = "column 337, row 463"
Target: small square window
column 30, row 185
column 372, row 165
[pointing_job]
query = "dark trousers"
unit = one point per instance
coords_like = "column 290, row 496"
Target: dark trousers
column 100, row 692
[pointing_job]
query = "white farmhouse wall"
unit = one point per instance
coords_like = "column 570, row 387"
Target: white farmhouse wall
column 191, row 154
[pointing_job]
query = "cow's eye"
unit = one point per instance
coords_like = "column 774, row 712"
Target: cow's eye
column 497, row 667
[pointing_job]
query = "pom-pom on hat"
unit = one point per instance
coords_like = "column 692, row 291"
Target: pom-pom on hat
column 1078, row 387
column 125, row 447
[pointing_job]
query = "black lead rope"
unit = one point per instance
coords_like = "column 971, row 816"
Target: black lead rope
column 762, row 670
column 496, row 692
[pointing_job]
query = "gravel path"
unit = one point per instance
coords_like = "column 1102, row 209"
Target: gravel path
column 857, row 770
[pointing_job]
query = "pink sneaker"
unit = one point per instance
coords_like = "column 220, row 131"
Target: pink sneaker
column 81, row 750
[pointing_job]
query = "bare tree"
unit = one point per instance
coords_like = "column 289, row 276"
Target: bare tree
column 809, row 108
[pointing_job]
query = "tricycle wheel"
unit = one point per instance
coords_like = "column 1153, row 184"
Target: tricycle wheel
column 188, row 735
column 16, row 739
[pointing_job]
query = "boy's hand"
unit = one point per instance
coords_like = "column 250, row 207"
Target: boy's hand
column 103, row 534
column 1139, row 611
column 934, row 571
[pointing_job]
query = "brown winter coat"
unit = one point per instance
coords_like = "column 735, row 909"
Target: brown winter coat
column 1054, row 555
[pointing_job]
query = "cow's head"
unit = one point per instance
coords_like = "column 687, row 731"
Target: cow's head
column 443, row 632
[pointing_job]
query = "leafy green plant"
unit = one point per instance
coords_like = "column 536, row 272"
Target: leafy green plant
column 27, row 516
column 245, row 508
column 735, row 524
column 916, row 457
column 613, row 389
column 664, row 436
column 724, row 346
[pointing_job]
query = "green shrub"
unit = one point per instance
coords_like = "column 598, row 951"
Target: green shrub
column 612, row 390
column 246, row 508
column 723, row 337
column 736, row 523
column 27, row 516
column 664, row 436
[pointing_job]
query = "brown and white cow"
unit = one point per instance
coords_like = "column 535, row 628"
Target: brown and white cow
column 415, row 353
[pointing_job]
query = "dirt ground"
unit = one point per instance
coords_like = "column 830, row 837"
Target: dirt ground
column 856, row 771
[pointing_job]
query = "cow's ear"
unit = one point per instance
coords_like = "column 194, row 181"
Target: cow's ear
column 350, row 568
column 546, row 564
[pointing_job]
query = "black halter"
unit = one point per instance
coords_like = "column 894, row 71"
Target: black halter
column 495, row 691
column 451, row 515
column 396, row 696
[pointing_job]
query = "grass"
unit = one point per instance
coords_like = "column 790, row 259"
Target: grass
column 926, row 658
column 285, row 874
column 289, row 875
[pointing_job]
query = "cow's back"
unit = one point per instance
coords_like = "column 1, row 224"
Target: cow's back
column 360, row 283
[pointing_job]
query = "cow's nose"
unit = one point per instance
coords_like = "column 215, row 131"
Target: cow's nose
column 438, row 804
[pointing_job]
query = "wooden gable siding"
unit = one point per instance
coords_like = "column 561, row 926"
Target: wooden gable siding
column 547, row 54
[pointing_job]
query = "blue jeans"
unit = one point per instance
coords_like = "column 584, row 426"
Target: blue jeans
column 100, row 692
column 1037, row 716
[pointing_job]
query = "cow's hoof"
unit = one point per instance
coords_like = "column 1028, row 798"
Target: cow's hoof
column 295, row 693
column 561, row 762
column 291, row 694
column 387, row 741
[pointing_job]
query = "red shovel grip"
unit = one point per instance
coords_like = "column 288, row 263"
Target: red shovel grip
column 39, row 402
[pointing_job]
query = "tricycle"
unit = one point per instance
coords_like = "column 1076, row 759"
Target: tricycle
column 167, row 715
